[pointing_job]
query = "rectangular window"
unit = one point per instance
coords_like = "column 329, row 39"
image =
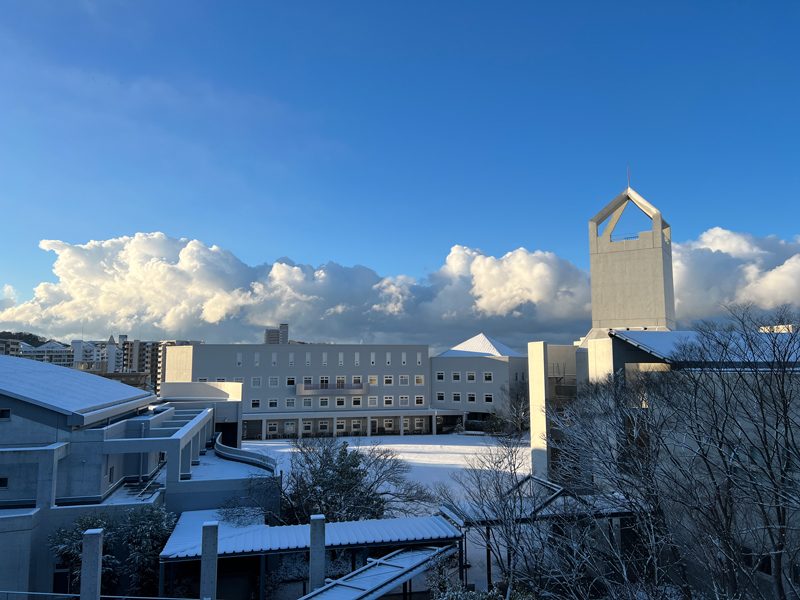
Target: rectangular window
column 419, row 423
column 487, row 398
column 339, row 425
column 274, row 359
column 291, row 361
column 341, row 381
column 220, row 380
column 290, row 403
column 272, row 403
column 372, row 358
column 290, row 381
column 456, row 396
column 419, row 400
column 357, row 379
column 470, row 397
column 388, row 380
column 324, row 402
column 487, row 377
column 388, row 423
column 307, row 380
column 255, row 403
column 238, row 380
column 307, row 402
column 323, row 425
column 324, row 359
column 255, row 382
column 403, row 379
column 403, row 357
column 3, row 483
column 306, row 426
column 272, row 428
column 356, row 401
column 419, row 358
column 373, row 379
column 340, row 401
column 456, row 376
column 516, row 376
column 288, row 427
column 273, row 382
column 308, row 359
column 388, row 358
column 372, row 401
column 405, row 424
column 355, row 425
column 238, row 359
column 358, row 358
column 202, row 379
column 523, row 376
column 440, row 396
column 470, row 376
column 323, row 382
column 403, row 400
column 256, row 359
column 388, row 400
column 439, row 375
column 341, row 359
column 419, row 379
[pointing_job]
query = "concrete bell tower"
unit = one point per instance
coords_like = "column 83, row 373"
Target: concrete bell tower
column 631, row 275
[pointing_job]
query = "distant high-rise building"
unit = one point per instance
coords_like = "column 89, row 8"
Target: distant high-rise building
column 9, row 347
column 51, row 352
column 277, row 335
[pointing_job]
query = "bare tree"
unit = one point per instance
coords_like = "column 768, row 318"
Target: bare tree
column 514, row 406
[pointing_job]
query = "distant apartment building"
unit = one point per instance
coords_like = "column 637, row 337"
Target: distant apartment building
column 9, row 347
column 52, row 352
column 277, row 335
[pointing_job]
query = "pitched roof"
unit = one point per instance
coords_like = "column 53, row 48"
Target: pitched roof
column 67, row 391
column 481, row 345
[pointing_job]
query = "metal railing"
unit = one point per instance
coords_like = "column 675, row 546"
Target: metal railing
column 247, row 457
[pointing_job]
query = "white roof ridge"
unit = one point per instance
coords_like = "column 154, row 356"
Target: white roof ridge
column 482, row 345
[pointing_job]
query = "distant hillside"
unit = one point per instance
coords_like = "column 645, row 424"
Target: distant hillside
column 23, row 336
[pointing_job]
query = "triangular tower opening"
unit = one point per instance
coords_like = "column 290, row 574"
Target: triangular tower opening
column 628, row 226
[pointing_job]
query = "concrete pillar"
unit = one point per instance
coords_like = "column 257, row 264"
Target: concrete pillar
column 402, row 427
column 91, row 564
column 208, row 561
column 186, row 461
column 433, row 423
column 335, row 423
column 263, row 429
column 369, row 426
column 196, row 449
column 538, row 398
column 316, row 558
column 46, row 479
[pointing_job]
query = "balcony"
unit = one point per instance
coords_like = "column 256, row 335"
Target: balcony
column 332, row 389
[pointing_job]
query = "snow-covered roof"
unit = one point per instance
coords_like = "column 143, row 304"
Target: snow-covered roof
column 658, row 343
column 67, row 391
column 481, row 345
column 186, row 540
column 378, row 577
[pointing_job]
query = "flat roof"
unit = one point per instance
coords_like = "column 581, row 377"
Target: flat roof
column 186, row 540
column 61, row 389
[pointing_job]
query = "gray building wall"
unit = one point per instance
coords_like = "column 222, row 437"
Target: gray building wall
column 504, row 371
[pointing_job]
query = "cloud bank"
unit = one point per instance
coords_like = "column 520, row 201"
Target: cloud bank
column 153, row 286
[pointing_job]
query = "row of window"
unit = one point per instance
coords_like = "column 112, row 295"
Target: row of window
column 373, row 358
column 341, row 425
column 324, row 381
column 339, row 402
column 456, row 376
column 488, row 398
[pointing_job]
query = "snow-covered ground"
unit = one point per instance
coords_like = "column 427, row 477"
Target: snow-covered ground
column 432, row 458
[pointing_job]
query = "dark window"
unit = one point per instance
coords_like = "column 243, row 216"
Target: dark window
column 3, row 482
column 5, row 413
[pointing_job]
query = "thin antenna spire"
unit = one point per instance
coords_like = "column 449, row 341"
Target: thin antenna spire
column 629, row 174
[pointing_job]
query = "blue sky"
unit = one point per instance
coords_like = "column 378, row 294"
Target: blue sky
column 383, row 134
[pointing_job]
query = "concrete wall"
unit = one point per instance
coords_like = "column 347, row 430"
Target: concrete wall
column 178, row 363
column 539, row 399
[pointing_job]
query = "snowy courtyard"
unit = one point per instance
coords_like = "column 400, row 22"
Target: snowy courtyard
column 432, row 458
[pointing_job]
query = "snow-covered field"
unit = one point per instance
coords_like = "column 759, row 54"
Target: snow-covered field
column 432, row 458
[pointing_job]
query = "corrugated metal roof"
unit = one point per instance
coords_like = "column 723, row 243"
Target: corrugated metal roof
column 658, row 343
column 61, row 389
column 186, row 538
column 481, row 345
column 379, row 576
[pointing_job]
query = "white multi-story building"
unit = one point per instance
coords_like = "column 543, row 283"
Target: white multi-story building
column 51, row 352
